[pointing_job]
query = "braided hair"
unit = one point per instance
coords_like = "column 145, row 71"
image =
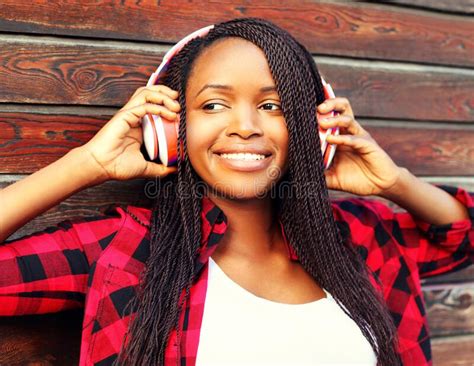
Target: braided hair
column 175, row 232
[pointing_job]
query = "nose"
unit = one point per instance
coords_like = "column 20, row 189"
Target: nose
column 244, row 122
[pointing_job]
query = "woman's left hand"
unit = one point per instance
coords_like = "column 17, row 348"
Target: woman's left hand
column 360, row 165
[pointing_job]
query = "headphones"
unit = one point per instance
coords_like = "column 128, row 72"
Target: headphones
column 160, row 135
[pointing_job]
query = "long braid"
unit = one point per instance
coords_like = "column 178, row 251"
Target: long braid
column 359, row 268
column 305, row 209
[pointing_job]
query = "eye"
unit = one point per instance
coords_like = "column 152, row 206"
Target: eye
column 272, row 105
column 210, row 105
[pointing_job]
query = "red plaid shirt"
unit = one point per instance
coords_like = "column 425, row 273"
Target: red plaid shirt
column 95, row 262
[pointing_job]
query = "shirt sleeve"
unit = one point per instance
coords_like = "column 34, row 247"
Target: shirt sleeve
column 47, row 271
column 437, row 249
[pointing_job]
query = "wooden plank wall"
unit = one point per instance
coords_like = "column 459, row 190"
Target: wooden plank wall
column 67, row 66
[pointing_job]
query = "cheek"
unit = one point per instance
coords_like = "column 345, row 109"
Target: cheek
column 199, row 140
column 194, row 140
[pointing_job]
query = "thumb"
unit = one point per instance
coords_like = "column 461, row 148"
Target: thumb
column 154, row 170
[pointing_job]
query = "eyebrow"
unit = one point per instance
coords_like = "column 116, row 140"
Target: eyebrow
column 264, row 89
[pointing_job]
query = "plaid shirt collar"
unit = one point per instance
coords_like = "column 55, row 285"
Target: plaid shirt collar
column 213, row 227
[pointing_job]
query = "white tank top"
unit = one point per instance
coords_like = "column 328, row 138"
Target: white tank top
column 240, row 328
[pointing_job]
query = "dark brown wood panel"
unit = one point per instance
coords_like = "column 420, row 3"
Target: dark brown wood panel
column 468, row 185
column 426, row 151
column 447, row 6
column 454, row 277
column 450, row 308
column 453, row 351
column 30, row 141
column 349, row 29
column 65, row 73
column 61, row 73
column 418, row 93
column 90, row 202
column 41, row 340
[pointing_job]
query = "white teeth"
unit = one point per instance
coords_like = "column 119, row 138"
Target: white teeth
column 243, row 156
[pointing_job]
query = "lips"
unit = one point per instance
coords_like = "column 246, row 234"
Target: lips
column 244, row 165
column 242, row 149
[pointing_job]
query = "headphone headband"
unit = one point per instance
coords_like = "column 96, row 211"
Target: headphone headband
column 174, row 50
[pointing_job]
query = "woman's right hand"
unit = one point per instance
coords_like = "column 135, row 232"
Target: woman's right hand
column 115, row 149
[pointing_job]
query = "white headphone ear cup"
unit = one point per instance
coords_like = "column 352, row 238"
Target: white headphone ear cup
column 322, row 137
column 323, row 134
column 150, row 138
column 162, row 144
column 328, row 150
column 154, row 136
column 331, row 149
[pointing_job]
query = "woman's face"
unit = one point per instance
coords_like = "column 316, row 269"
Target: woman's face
column 236, row 132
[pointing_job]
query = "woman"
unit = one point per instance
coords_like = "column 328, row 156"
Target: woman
column 262, row 219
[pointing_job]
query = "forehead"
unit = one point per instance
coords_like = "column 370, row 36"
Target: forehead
column 230, row 59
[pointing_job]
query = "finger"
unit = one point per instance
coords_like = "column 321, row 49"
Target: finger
column 160, row 88
column 355, row 142
column 165, row 90
column 154, row 170
column 338, row 104
column 346, row 122
column 147, row 95
column 137, row 91
column 133, row 116
column 151, row 96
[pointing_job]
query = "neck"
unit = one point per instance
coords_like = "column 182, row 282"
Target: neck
column 252, row 232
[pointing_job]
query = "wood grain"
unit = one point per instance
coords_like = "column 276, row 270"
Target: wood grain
column 29, row 141
column 90, row 202
column 453, row 351
column 41, row 340
column 454, row 277
column 402, row 92
column 447, row 6
column 450, row 308
column 340, row 28
column 427, row 151
column 58, row 72
column 72, row 73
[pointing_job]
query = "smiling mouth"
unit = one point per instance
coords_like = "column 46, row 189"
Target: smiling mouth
column 244, row 162
column 243, row 156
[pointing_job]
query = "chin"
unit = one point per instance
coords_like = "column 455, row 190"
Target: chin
column 244, row 191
